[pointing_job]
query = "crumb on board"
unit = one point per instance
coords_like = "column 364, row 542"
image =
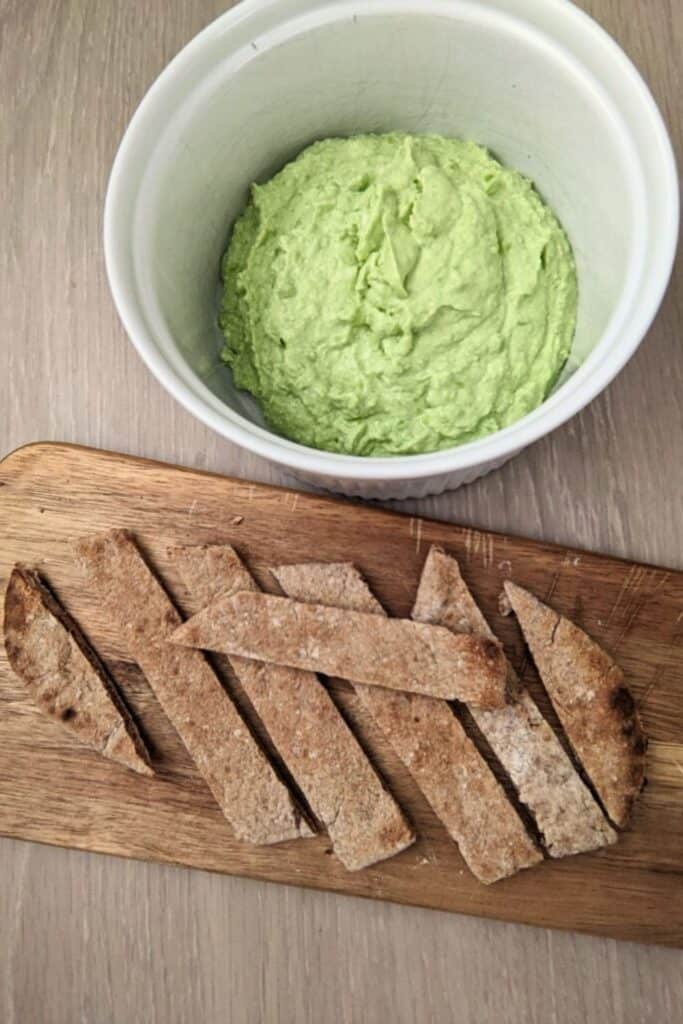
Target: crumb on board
column 235, row 520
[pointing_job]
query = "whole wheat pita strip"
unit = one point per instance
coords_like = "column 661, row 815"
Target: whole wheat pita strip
column 64, row 675
column 568, row 818
column 254, row 800
column 590, row 697
column 323, row 756
column 364, row 648
column 431, row 742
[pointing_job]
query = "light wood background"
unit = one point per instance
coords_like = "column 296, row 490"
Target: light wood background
column 97, row 940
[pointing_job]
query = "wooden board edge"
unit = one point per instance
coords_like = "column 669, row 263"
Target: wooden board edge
column 655, row 937
column 326, row 499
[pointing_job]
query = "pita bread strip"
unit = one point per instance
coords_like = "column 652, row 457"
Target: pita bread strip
column 323, row 756
column 364, row 648
column 252, row 797
column 566, row 814
column 590, row 697
column 64, row 675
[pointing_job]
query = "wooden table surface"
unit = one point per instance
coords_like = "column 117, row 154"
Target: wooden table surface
column 96, row 940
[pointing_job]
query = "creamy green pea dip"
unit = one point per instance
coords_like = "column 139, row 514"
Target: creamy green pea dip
column 395, row 294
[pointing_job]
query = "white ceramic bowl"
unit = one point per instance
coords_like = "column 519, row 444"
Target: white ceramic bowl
column 537, row 81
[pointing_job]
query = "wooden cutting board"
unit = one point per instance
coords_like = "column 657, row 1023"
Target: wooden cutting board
column 53, row 790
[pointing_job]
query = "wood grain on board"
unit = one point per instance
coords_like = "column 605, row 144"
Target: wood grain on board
column 54, row 790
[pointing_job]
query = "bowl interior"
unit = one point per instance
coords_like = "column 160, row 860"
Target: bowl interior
column 254, row 100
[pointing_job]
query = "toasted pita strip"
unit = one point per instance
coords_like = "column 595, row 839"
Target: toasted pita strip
column 431, row 742
column 568, row 818
column 254, row 800
column 363, row 648
column 64, row 675
column 326, row 761
column 592, row 702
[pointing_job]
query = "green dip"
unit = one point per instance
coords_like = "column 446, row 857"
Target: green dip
column 395, row 294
